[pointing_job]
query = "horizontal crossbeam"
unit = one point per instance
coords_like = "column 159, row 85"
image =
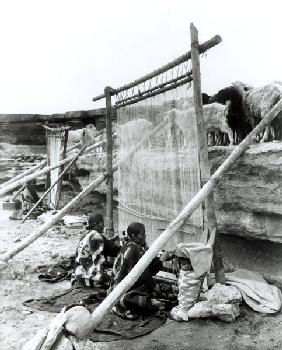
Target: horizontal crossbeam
column 181, row 59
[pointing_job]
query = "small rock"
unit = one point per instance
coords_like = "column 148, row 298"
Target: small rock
column 246, row 336
column 225, row 312
column 26, row 312
column 221, row 294
column 54, row 255
column 17, row 239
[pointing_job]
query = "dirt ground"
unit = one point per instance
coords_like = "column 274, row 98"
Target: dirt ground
column 19, row 323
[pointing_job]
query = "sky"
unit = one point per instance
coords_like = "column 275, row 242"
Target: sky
column 58, row 54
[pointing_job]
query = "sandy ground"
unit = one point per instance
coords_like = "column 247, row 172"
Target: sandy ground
column 17, row 324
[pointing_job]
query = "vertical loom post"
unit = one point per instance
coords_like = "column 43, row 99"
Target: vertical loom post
column 60, row 182
column 203, row 153
column 48, row 177
column 109, row 165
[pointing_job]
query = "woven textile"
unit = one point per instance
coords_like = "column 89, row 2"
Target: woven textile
column 163, row 175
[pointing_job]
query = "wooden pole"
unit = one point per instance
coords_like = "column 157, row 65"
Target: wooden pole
column 109, row 165
column 203, row 151
column 203, row 48
column 18, row 192
column 54, row 184
column 60, row 182
column 48, row 175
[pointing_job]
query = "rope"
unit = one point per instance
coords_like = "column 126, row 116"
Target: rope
column 156, row 92
column 151, row 89
column 191, row 221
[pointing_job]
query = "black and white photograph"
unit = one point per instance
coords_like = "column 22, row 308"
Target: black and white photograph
column 140, row 175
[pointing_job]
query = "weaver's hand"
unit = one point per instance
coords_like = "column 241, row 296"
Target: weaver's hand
column 166, row 256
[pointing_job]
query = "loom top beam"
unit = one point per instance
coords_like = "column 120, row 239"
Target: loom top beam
column 202, row 48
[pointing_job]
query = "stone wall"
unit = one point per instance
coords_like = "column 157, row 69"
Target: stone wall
column 248, row 201
column 26, row 129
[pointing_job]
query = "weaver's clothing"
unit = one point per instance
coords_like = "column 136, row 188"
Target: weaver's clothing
column 91, row 258
column 138, row 298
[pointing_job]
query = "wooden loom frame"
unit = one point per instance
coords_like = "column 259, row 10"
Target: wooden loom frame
column 52, row 337
column 195, row 76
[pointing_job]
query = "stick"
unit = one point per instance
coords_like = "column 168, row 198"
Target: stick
column 54, row 184
column 18, row 192
column 202, row 48
column 203, row 150
column 36, row 342
column 100, row 312
column 109, row 165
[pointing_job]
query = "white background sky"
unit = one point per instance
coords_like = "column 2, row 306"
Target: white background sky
column 57, row 54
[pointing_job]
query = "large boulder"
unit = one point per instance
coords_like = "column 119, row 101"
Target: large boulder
column 248, row 200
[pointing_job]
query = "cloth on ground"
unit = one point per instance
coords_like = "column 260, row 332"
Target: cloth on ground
column 74, row 295
column 200, row 256
column 256, row 292
column 113, row 327
column 57, row 272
